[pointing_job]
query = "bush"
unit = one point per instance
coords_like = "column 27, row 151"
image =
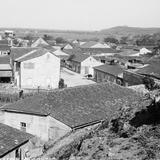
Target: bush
column 149, row 83
column 61, row 83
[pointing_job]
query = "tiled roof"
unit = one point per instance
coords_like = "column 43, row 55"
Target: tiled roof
column 79, row 57
column 94, row 51
column 152, row 69
column 88, row 44
column 127, row 52
column 48, row 47
column 78, row 105
column 4, row 42
column 10, row 138
column 111, row 69
column 4, row 47
column 33, row 54
column 153, row 59
column 20, row 51
column 72, row 51
column 39, row 41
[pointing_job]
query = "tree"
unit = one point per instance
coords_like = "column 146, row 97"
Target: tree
column 111, row 40
column 61, row 83
column 15, row 42
column 29, row 37
column 60, row 40
column 71, row 57
column 47, row 37
column 149, row 83
column 123, row 40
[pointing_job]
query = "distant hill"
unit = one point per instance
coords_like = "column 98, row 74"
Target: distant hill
column 85, row 35
column 125, row 30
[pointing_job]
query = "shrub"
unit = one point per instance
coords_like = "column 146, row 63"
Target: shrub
column 61, row 83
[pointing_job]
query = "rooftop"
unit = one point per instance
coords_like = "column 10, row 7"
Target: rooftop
column 11, row 138
column 94, row 51
column 5, row 59
column 4, row 42
column 17, row 52
column 113, row 69
column 77, row 106
column 33, row 54
column 79, row 57
column 151, row 69
column 4, row 47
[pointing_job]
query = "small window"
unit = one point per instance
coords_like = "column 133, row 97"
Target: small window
column 23, row 126
column 17, row 154
column 28, row 65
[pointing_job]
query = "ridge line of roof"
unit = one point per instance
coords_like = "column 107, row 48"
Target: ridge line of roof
column 19, row 58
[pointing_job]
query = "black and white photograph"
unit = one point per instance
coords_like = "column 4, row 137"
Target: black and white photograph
column 79, row 79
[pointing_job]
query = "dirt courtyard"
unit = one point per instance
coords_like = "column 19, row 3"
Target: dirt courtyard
column 74, row 79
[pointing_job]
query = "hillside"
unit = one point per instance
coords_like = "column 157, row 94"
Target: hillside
column 124, row 30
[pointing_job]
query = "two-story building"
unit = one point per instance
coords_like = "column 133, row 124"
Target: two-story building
column 38, row 68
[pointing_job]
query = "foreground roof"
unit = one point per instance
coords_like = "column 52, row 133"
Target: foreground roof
column 111, row 69
column 11, row 138
column 77, row 106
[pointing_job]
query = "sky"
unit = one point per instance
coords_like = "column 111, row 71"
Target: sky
column 79, row 14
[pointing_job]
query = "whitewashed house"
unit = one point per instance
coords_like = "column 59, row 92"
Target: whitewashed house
column 142, row 51
column 37, row 69
column 59, row 53
column 39, row 42
column 53, row 115
column 75, row 41
column 83, row 63
column 68, row 46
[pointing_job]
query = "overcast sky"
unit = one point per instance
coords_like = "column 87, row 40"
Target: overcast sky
column 79, row 14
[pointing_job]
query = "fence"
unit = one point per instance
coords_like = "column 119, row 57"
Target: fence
column 12, row 97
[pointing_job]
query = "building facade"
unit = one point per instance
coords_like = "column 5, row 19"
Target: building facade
column 37, row 70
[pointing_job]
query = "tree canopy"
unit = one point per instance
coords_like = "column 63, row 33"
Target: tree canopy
column 111, row 40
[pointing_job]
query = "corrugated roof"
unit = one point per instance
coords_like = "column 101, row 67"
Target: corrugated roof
column 78, row 105
column 10, row 138
column 111, row 69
